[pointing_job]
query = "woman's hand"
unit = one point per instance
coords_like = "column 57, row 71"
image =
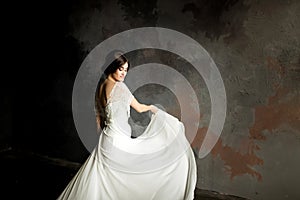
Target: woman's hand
column 153, row 109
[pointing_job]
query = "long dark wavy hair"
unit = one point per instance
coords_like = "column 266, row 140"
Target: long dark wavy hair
column 119, row 59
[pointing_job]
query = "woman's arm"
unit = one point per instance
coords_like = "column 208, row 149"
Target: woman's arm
column 98, row 122
column 142, row 107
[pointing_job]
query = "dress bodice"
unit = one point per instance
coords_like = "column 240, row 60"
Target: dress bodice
column 117, row 109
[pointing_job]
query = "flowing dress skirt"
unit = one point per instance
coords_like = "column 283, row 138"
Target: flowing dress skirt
column 158, row 165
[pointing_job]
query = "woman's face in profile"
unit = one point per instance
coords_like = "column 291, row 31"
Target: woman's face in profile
column 120, row 73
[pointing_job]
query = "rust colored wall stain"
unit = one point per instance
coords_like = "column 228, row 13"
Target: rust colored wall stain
column 238, row 160
column 197, row 142
column 273, row 64
column 279, row 111
column 282, row 108
column 235, row 162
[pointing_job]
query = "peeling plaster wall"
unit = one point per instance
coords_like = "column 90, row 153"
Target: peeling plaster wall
column 256, row 47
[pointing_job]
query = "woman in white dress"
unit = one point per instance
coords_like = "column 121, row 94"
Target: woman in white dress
column 157, row 165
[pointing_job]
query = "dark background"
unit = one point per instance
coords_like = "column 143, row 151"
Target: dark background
column 48, row 60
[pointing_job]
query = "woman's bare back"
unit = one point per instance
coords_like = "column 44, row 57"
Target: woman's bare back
column 105, row 91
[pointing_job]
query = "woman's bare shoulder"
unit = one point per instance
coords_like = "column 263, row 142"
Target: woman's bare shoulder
column 109, row 86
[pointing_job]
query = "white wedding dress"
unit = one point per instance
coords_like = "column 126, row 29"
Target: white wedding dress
column 157, row 165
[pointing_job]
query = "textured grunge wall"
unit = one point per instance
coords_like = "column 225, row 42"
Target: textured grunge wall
column 256, row 47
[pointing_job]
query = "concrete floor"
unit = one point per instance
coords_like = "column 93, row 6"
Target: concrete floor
column 25, row 175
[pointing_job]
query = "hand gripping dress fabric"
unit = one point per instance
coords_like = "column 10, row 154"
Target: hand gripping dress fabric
column 157, row 165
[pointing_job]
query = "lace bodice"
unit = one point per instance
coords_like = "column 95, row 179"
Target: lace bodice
column 118, row 108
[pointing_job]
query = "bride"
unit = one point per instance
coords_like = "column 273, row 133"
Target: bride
column 157, row 165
